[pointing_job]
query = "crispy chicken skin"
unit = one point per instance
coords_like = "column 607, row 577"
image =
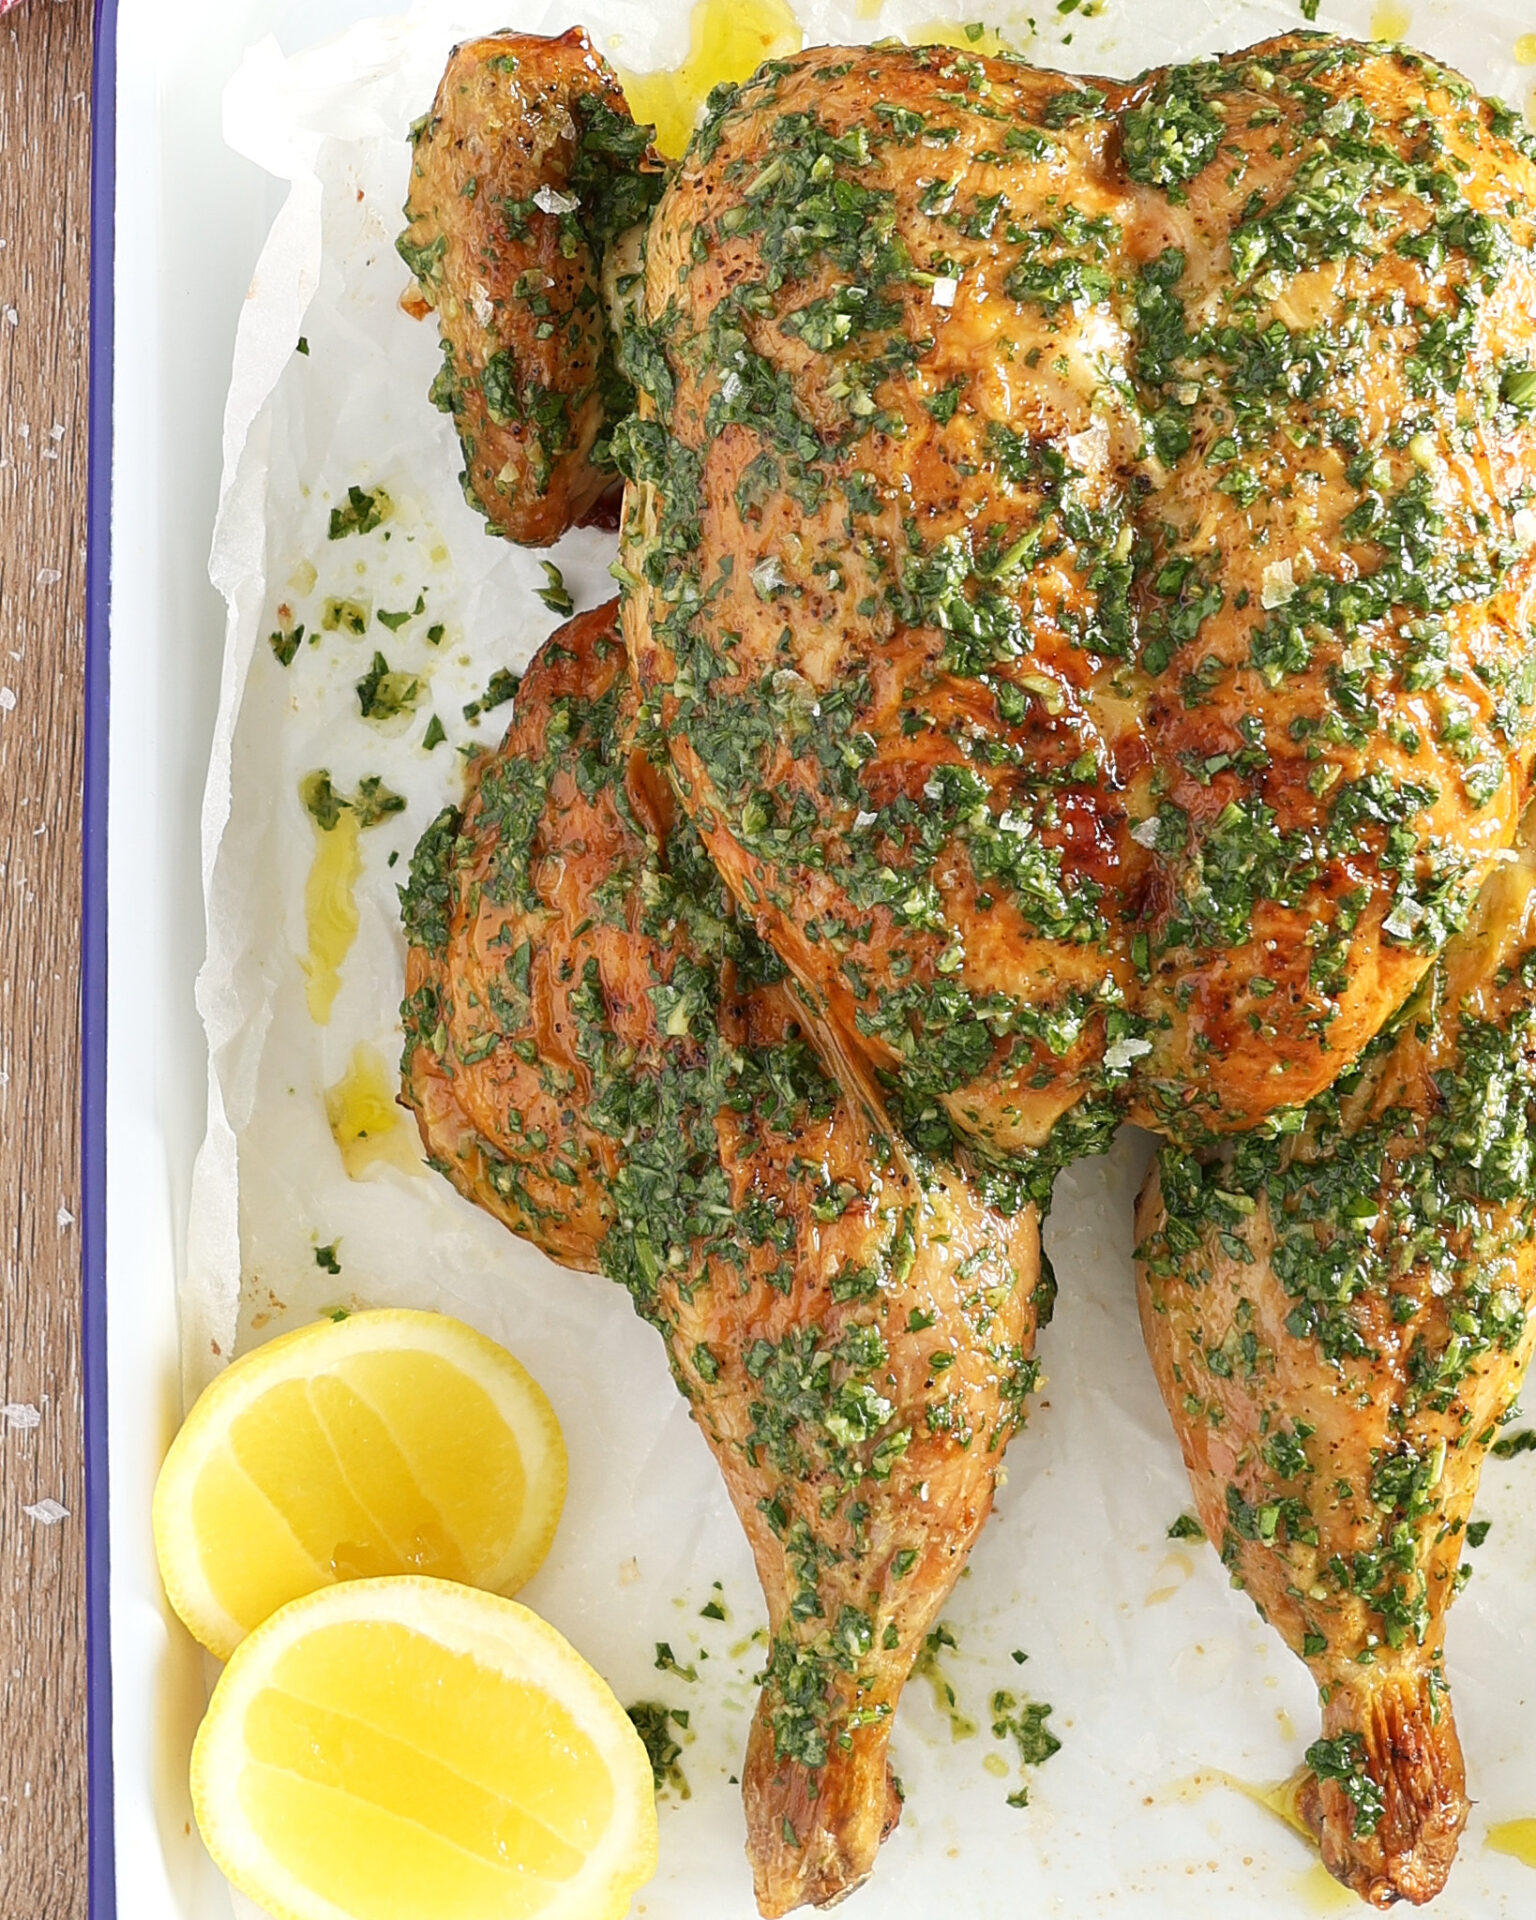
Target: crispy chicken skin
column 1082, row 557
column 604, row 1056
column 524, row 172
column 1078, row 663
column 1338, row 1318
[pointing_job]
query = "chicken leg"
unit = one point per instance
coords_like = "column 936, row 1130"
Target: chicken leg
column 1339, row 1316
column 601, row 1053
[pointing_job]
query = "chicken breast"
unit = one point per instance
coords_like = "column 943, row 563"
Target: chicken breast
column 1078, row 545
column 603, row 1055
column 1339, row 1317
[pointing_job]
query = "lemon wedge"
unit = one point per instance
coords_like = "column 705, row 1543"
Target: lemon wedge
column 387, row 1442
column 407, row 1749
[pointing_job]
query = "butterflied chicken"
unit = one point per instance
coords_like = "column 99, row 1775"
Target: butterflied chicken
column 1078, row 556
column 604, row 1055
column 1339, row 1315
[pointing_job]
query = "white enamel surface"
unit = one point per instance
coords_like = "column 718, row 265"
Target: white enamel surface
column 1157, row 1672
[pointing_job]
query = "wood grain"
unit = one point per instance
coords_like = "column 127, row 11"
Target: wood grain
column 45, row 77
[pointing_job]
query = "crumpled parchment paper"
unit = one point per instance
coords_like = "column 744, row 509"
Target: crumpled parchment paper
column 1166, row 1688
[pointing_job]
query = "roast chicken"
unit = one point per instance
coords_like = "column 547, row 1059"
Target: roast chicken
column 1078, row 550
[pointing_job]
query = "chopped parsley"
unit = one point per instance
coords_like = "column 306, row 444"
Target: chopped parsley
column 284, row 643
column 384, row 694
column 372, row 802
column 553, row 593
column 361, row 512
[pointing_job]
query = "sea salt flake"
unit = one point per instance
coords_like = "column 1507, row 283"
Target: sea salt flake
column 1144, row 833
column 1088, row 449
column 768, row 577
column 20, row 1414
column 1119, row 1054
column 1278, row 586
column 64, row 1218
column 47, row 1513
column 1404, row 917
column 944, row 290
column 48, row 576
column 7, row 699
column 551, row 200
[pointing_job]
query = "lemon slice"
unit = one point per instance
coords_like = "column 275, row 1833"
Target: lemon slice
column 387, row 1442
column 407, row 1749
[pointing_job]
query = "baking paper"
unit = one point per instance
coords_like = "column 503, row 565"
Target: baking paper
column 1165, row 1687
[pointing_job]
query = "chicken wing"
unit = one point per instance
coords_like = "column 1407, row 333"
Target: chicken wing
column 601, row 1053
column 523, row 175
column 1338, row 1317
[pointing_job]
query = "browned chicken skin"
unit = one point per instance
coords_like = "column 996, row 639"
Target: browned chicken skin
column 599, row 1053
column 1078, row 564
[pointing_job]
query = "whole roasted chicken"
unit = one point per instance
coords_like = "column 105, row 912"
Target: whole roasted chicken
column 1077, row 561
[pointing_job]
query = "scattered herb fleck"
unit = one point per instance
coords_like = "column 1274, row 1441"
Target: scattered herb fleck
column 345, row 616
column 383, row 693
column 554, row 594
column 285, row 643
column 361, row 512
column 500, row 688
column 395, row 621
column 372, row 802
column 668, row 1662
column 662, row 1749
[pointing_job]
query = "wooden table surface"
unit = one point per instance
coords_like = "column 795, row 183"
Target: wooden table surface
column 45, row 79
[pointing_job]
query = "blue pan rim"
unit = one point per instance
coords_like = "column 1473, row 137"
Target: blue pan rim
column 101, row 1855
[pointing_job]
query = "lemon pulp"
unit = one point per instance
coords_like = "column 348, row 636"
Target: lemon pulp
column 366, row 1735
column 405, row 1749
column 391, row 1443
